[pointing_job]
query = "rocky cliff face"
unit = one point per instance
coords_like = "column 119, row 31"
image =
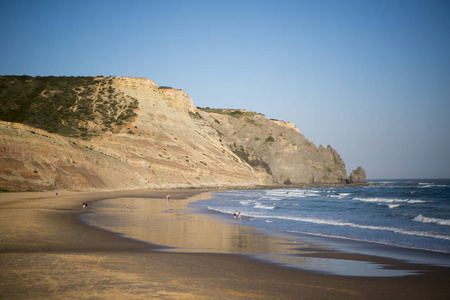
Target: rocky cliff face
column 277, row 151
column 127, row 133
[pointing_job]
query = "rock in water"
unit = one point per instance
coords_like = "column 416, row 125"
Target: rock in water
column 358, row 175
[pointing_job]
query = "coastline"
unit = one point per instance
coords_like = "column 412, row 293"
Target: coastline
column 46, row 252
column 180, row 226
column 346, row 247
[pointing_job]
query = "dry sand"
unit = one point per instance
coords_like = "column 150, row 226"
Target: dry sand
column 46, row 252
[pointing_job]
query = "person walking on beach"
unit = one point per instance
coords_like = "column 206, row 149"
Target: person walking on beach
column 235, row 215
column 239, row 216
column 128, row 207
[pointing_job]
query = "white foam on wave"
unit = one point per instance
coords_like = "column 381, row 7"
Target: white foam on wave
column 393, row 205
column 295, row 193
column 340, row 195
column 262, row 206
column 221, row 210
column 389, row 205
column 364, row 240
column 431, row 184
column 277, row 193
column 426, row 185
column 421, row 218
column 387, row 200
column 385, row 182
column 272, row 198
column 370, row 227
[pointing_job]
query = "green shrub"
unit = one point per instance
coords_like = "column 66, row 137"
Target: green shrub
column 241, row 153
column 56, row 104
column 270, row 139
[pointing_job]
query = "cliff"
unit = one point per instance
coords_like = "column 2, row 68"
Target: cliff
column 86, row 133
column 276, row 150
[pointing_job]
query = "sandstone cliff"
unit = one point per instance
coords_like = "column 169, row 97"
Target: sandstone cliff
column 127, row 133
column 277, row 151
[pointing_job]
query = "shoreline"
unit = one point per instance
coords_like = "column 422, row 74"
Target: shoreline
column 46, row 252
column 203, row 231
column 348, row 244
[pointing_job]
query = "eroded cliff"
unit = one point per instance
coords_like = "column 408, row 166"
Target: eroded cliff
column 128, row 133
column 276, row 149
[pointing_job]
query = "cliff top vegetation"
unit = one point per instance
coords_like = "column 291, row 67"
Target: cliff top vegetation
column 236, row 113
column 70, row 106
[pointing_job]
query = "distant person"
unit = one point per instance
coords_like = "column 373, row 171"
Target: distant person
column 235, row 215
column 128, row 207
column 84, row 205
column 239, row 216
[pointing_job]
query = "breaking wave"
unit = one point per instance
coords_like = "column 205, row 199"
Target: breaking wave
column 393, row 205
column 421, row 218
column 388, row 200
column 370, row 227
column 262, row 206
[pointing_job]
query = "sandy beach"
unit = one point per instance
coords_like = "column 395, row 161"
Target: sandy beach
column 47, row 252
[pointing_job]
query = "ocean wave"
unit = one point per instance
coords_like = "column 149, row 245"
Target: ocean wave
column 221, row 210
column 393, row 205
column 430, row 184
column 365, row 240
column 262, row 206
column 426, row 185
column 293, row 193
column 340, row 195
column 417, row 201
column 433, row 185
column 421, row 218
column 277, row 193
column 388, row 200
column 369, row 227
column 272, row 198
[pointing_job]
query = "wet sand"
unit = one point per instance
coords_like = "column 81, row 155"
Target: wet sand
column 46, row 252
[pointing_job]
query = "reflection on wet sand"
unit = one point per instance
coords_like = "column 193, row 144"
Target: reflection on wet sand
column 169, row 223
column 163, row 222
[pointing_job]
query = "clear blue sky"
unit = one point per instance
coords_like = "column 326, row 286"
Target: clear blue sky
column 369, row 78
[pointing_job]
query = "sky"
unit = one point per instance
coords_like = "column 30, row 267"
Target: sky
column 369, row 78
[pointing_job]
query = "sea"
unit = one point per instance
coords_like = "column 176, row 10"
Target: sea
column 412, row 213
